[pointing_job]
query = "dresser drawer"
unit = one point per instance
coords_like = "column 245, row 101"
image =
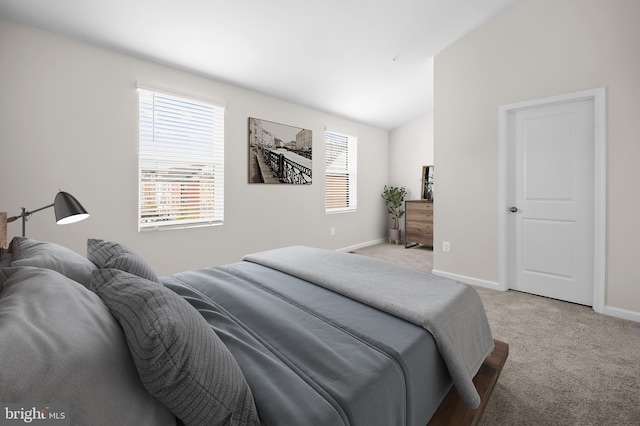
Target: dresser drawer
column 419, row 206
column 418, row 223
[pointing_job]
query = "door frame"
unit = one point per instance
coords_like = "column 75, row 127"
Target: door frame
column 598, row 96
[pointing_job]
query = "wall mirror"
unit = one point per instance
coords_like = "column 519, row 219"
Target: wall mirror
column 427, row 183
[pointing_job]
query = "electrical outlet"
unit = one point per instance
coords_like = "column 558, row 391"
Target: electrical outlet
column 446, row 246
column 333, row 232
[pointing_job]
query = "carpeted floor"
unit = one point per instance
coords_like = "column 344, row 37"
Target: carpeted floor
column 567, row 364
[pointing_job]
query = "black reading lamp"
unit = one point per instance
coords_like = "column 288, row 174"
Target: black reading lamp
column 67, row 208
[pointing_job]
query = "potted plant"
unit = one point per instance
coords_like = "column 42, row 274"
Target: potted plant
column 393, row 197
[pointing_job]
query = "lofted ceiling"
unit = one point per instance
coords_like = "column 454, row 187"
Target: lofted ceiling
column 366, row 60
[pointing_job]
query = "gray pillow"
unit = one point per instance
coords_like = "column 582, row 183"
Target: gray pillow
column 179, row 358
column 61, row 344
column 5, row 258
column 28, row 252
column 107, row 254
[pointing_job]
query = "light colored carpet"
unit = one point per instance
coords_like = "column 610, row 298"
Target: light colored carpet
column 567, row 364
column 418, row 257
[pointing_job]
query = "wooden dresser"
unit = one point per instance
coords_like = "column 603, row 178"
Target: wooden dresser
column 418, row 222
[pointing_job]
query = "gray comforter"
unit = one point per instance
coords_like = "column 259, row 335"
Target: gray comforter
column 314, row 357
column 452, row 312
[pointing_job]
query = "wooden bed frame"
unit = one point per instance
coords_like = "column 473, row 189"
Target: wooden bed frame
column 451, row 411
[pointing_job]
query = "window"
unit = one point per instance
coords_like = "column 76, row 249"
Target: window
column 181, row 162
column 341, row 164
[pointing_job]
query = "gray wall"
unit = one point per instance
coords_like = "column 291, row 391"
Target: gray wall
column 537, row 49
column 410, row 148
column 68, row 120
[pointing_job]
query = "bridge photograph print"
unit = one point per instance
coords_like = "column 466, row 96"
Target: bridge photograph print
column 279, row 153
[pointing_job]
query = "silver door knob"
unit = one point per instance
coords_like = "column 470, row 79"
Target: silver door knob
column 513, row 209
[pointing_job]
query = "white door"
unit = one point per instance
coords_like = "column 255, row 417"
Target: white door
column 551, row 200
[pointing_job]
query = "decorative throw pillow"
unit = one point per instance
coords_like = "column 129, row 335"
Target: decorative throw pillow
column 5, row 258
column 60, row 344
column 179, row 358
column 5, row 273
column 107, row 254
column 28, row 252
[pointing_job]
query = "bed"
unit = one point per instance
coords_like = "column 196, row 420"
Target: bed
column 296, row 341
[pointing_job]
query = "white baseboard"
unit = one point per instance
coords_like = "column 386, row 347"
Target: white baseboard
column 361, row 245
column 608, row 310
column 622, row 313
column 468, row 280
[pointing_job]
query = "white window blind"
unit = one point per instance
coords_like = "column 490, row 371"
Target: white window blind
column 181, row 162
column 341, row 169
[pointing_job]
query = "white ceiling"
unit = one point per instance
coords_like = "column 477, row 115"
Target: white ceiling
column 365, row 60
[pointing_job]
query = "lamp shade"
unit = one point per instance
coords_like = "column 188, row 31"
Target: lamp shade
column 68, row 209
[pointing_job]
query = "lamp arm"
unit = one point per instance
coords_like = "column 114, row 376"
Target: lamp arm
column 37, row 210
column 14, row 218
column 26, row 213
column 25, row 216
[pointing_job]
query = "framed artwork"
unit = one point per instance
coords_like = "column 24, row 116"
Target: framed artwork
column 279, row 153
column 427, row 183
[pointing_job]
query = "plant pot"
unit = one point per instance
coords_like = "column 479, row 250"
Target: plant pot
column 394, row 235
